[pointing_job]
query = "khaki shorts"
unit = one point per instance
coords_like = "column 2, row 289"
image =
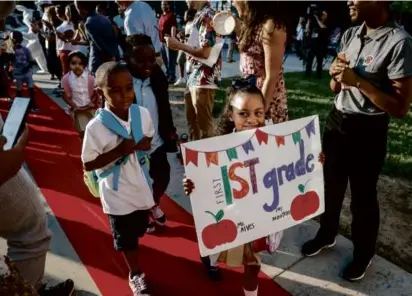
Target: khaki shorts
column 81, row 119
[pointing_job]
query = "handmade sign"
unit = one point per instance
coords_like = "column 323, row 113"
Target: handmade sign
column 254, row 183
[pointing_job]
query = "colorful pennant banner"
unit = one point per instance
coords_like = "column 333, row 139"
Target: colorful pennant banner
column 212, row 157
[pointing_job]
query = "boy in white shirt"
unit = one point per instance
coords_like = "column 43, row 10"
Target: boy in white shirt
column 127, row 205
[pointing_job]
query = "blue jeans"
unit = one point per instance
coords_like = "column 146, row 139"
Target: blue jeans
column 169, row 58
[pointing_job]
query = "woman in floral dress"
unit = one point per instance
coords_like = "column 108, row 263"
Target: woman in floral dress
column 261, row 40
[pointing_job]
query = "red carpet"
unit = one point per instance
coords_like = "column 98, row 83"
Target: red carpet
column 170, row 258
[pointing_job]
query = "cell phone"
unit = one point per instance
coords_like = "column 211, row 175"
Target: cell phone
column 15, row 121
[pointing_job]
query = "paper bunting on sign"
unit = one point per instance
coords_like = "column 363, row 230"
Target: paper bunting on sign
column 261, row 137
column 310, row 128
column 191, row 156
column 248, row 147
column 212, row 157
column 296, row 137
column 231, row 153
column 280, row 140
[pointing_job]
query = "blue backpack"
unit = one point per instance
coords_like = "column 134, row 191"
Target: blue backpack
column 91, row 179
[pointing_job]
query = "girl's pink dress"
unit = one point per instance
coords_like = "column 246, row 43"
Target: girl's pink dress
column 252, row 62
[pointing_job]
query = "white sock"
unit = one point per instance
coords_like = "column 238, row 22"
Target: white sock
column 251, row 293
column 213, row 259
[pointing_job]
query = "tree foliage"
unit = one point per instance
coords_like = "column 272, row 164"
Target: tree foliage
column 402, row 6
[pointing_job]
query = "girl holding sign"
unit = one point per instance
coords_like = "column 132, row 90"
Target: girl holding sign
column 245, row 110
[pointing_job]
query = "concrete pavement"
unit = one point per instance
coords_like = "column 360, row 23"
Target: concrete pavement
column 298, row 275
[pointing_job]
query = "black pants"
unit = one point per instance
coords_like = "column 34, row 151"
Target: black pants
column 159, row 172
column 317, row 51
column 355, row 150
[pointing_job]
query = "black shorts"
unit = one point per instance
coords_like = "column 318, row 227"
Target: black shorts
column 127, row 229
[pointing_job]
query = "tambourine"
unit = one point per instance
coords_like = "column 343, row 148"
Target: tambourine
column 224, row 23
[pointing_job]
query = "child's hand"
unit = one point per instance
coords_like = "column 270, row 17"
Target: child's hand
column 145, row 144
column 321, row 158
column 127, row 147
column 188, row 186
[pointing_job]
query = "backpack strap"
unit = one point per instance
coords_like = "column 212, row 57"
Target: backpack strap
column 66, row 85
column 111, row 123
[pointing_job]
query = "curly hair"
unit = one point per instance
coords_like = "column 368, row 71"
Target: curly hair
column 226, row 126
column 257, row 14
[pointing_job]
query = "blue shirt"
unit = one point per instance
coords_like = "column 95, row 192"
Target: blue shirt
column 145, row 98
column 140, row 19
column 103, row 42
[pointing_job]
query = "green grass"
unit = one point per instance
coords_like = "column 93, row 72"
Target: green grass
column 313, row 96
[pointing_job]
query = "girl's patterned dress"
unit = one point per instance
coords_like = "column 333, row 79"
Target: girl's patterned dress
column 252, row 62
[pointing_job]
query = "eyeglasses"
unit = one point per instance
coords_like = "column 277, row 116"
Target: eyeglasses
column 244, row 82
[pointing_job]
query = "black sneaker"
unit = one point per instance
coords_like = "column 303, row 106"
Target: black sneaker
column 65, row 288
column 213, row 272
column 313, row 247
column 150, row 228
column 356, row 270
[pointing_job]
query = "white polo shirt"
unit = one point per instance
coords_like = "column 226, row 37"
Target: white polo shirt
column 133, row 191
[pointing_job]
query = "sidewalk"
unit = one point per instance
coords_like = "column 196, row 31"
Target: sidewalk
column 298, row 275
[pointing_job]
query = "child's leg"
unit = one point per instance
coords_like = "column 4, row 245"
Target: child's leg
column 160, row 173
column 19, row 87
column 126, row 230
column 250, row 280
column 30, row 85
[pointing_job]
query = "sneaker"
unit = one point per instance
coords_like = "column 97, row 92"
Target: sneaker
column 172, row 80
column 180, row 82
column 213, row 272
column 356, row 270
column 313, row 247
column 65, row 288
column 150, row 228
column 158, row 216
column 138, row 285
column 35, row 110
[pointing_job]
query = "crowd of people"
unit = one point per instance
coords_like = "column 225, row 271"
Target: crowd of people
column 123, row 68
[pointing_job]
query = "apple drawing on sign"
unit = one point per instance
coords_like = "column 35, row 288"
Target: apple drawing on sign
column 305, row 204
column 219, row 233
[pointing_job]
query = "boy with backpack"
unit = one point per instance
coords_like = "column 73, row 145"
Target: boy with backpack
column 115, row 149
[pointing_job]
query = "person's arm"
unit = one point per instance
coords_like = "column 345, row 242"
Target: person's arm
column 94, row 158
column 399, row 71
column 76, row 40
column 396, row 104
column 173, row 30
column 207, row 41
column 322, row 25
column 274, row 40
column 96, row 37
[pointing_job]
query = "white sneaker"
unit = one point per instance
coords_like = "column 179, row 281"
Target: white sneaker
column 180, row 82
column 158, row 216
column 138, row 285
